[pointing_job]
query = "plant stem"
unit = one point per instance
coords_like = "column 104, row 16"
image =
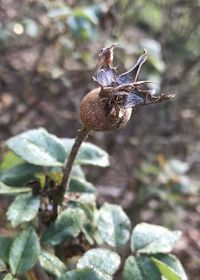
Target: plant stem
column 82, row 133
column 37, row 273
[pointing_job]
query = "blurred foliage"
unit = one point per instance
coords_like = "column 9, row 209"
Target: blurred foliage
column 71, row 29
column 169, row 178
column 165, row 187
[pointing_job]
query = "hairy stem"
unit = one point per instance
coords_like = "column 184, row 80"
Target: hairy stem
column 82, row 133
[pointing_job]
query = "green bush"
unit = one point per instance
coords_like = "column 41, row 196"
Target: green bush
column 46, row 234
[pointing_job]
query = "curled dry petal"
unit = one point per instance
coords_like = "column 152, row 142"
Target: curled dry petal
column 105, row 76
column 131, row 96
column 124, row 90
column 110, row 105
column 132, row 75
column 106, row 56
column 136, row 98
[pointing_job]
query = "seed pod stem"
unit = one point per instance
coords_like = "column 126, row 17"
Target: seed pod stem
column 82, row 133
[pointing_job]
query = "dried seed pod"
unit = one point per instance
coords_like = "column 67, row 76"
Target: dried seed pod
column 97, row 113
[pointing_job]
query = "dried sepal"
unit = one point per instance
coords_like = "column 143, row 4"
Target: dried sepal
column 110, row 105
column 138, row 94
column 137, row 98
column 106, row 75
column 124, row 90
column 132, row 75
column 106, row 56
column 131, row 95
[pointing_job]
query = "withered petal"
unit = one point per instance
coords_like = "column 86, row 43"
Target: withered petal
column 106, row 56
column 106, row 76
column 141, row 98
column 134, row 99
column 132, row 75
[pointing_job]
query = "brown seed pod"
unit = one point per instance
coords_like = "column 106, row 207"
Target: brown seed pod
column 97, row 113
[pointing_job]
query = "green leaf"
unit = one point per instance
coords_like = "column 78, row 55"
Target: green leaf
column 81, row 27
column 155, row 21
column 52, row 264
column 31, row 28
column 88, row 208
column 85, row 273
column 165, row 270
column 5, row 244
column 2, row 266
column 152, row 239
column 10, row 160
column 20, row 174
column 60, row 12
column 88, row 231
column 83, row 198
column 103, row 260
column 88, row 154
column 132, row 270
column 113, row 225
column 77, row 171
column 148, row 269
column 88, row 14
column 9, row 276
column 38, row 147
column 170, row 267
column 176, row 166
column 67, row 225
column 4, row 189
column 141, row 268
column 81, row 186
column 23, row 209
column 24, row 251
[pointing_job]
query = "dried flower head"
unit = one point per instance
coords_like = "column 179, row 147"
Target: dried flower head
column 110, row 105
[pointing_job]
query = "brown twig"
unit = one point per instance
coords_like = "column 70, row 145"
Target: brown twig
column 37, row 273
column 82, row 133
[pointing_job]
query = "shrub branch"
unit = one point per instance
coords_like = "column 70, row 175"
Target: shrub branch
column 82, row 133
